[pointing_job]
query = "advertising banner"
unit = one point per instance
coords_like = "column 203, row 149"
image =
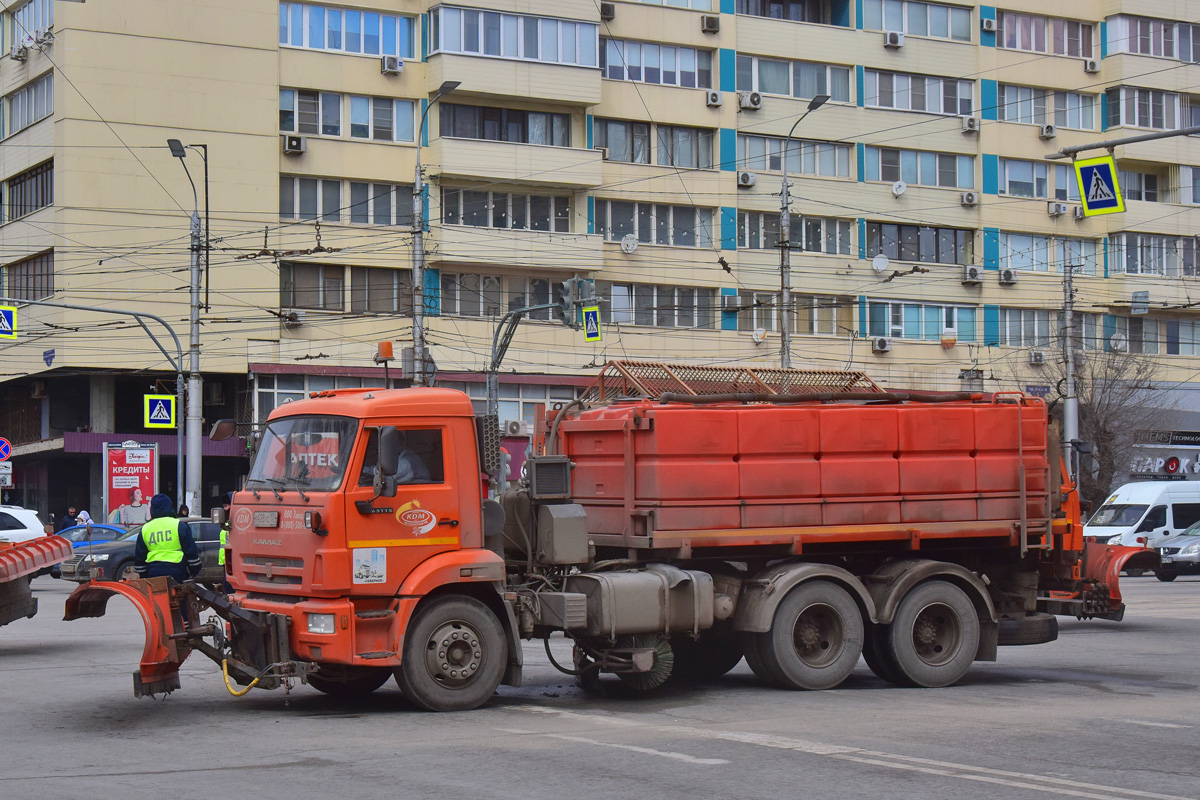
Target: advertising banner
column 130, row 480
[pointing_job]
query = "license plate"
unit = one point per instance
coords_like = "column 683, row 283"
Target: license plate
column 1167, row 559
column 266, row 519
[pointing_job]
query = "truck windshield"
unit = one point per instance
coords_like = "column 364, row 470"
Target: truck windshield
column 1118, row 515
column 306, row 453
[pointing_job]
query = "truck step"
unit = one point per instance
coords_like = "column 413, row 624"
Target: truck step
column 377, row 654
column 380, row 613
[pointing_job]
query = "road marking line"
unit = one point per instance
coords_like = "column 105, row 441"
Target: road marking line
column 635, row 749
column 603, row 720
column 1155, row 724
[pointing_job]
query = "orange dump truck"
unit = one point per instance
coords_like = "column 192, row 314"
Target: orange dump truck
column 667, row 536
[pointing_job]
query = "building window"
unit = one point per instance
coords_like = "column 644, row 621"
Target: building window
column 918, row 93
column 29, row 191
column 685, row 147
column 326, row 198
column 821, row 12
column 309, row 112
column 496, row 35
column 920, row 243
column 821, row 159
column 1025, row 327
column 1024, row 178
column 505, row 125
column 918, row 19
column 1066, row 185
column 518, row 401
column 381, row 204
column 1143, row 108
column 30, row 18
column 654, row 223
column 316, row 286
column 1041, row 106
column 505, row 210
column 272, row 391
column 625, row 141
column 379, row 290
column 32, row 102
column 802, row 79
column 1139, row 186
column 695, row 5
column 1153, row 254
column 382, row 119
column 1189, row 178
column 343, row 30
column 919, row 321
column 30, row 278
column 1154, row 37
column 310, row 198
column 471, row 295
column 759, row 230
column 644, row 62
column 659, row 306
column 1029, row 253
column 818, row 315
column 1036, row 34
column 1141, row 334
column 920, row 168
column 1181, row 337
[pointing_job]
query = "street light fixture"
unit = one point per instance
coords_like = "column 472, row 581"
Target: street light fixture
column 785, row 243
column 420, row 376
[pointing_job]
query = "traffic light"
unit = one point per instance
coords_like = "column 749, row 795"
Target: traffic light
column 564, row 312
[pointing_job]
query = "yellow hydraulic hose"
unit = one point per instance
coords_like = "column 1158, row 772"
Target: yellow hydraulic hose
column 229, row 686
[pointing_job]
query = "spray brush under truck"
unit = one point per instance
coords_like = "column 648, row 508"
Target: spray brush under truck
column 663, row 536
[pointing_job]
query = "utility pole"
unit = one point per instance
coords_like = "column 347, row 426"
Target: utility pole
column 1071, row 402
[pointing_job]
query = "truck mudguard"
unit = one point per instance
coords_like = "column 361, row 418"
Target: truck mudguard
column 764, row 592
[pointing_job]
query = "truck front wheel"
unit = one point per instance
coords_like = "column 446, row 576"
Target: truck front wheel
column 454, row 655
column 339, row 680
column 815, row 639
column 934, row 636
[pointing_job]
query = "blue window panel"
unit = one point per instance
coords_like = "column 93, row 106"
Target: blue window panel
column 591, row 212
column 912, row 322
column 588, row 123
column 859, row 85
column 966, row 325
column 860, row 152
column 433, row 291
column 728, row 228
column 987, row 38
column 728, row 6
column 425, row 127
column 1103, row 39
column 729, row 318
column 424, row 37
column 728, row 67
column 728, row 149
column 991, row 325
column 862, row 315
column 862, row 239
column 991, row 174
column 841, row 13
column 991, row 248
column 1106, row 256
column 858, row 14
column 989, row 97
column 1103, row 111
column 1110, row 327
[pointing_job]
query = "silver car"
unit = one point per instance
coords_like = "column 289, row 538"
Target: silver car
column 1180, row 555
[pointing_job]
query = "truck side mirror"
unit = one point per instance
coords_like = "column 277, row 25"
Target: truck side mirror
column 222, row 429
column 217, row 515
column 389, row 450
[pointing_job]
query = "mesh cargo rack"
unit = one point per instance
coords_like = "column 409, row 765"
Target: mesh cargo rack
column 620, row 379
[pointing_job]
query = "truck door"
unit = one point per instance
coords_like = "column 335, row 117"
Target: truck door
column 391, row 535
column 1154, row 525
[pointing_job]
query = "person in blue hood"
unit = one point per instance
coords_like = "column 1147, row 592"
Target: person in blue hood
column 165, row 545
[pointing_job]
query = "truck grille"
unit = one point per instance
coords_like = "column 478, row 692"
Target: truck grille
column 273, row 570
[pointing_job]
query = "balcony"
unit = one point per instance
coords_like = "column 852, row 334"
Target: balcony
column 483, row 76
column 515, row 164
column 502, row 248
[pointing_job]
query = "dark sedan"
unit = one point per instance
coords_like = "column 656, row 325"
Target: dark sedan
column 83, row 536
column 114, row 560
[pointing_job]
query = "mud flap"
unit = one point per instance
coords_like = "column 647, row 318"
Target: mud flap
column 156, row 600
column 1101, row 566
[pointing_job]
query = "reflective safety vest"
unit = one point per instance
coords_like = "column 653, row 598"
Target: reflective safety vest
column 161, row 536
column 221, row 552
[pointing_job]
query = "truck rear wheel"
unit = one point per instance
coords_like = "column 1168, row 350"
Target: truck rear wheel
column 815, row 639
column 706, row 658
column 876, row 655
column 454, row 655
column 934, row 636
column 341, row 680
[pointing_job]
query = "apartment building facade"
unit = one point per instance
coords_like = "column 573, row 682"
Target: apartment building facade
column 638, row 145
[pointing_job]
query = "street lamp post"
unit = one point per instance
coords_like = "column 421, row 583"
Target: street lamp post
column 420, row 376
column 195, row 392
column 785, row 244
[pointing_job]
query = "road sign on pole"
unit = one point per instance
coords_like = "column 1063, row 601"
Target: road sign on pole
column 591, row 323
column 8, row 322
column 159, row 410
column 1098, row 186
column 5, row 449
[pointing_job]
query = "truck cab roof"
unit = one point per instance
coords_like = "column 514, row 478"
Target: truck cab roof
column 374, row 403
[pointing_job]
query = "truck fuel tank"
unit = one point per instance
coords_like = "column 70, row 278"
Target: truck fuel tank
column 660, row 598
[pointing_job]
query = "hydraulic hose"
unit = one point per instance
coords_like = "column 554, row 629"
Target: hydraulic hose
column 229, row 686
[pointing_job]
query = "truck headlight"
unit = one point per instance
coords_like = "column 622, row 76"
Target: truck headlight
column 320, row 623
column 1190, row 550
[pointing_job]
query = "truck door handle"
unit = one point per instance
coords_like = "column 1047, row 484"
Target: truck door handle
column 453, row 523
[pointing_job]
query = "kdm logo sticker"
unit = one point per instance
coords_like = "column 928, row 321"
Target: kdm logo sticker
column 420, row 520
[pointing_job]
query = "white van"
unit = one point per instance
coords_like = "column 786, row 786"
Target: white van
column 1149, row 510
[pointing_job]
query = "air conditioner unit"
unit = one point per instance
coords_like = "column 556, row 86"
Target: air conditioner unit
column 603, row 151
column 608, row 11
column 988, row 25
column 1056, row 209
column 214, row 394
column 1037, row 358
column 43, row 36
column 391, row 65
column 970, row 124
column 733, row 302
column 712, row 98
column 969, row 199
column 881, row 344
column 294, row 145
column 1049, row 131
column 1008, row 276
column 1091, row 66
column 515, row 427
column 1080, row 213
column 37, row 390
column 750, row 101
column 292, row 319
column 18, row 52
column 710, row 24
column 972, row 275
column 747, row 179
column 893, row 39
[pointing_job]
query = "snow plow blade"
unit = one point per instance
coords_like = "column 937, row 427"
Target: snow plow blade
column 156, row 600
column 1103, row 563
column 19, row 561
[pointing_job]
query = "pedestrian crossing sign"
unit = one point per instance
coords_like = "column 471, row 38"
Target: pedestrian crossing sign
column 8, row 322
column 159, row 410
column 591, row 323
column 1098, row 186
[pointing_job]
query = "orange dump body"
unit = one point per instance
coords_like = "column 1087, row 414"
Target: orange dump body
column 662, row 475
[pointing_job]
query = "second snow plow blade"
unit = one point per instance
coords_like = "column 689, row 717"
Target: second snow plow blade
column 157, row 602
column 17, row 563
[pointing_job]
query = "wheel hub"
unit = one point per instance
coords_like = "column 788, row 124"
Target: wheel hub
column 818, row 635
column 453, row 654
column 937, row 634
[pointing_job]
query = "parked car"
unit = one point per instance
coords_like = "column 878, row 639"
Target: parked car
column 19, row 525
column 84, row 536
column 114, row 560
column 1180, row 555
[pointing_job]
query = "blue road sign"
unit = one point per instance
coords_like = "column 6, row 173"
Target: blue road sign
column 591, row 323
column 5, row 449
column 8, row 322
column 1098, row 186
column 48, row 357
column 159, row 410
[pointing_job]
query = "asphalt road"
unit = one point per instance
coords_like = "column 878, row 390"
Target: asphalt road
column 1110, row 710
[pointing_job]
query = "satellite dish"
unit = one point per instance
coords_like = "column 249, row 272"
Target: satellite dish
column 759, row 335
column 1119, row 342
column 629, row 243
column 879, row 263
column 898, row 188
